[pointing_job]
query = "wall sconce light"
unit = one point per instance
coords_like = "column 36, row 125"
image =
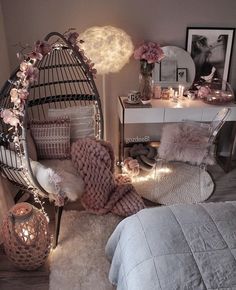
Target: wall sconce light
column 26, row 236
column 109, row 48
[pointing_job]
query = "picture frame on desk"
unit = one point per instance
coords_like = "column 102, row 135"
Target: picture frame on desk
column 211, row 50
column 168, row 69
column 181, row 75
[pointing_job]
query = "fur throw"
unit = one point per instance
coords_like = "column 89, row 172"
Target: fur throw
column 94, row 161
column 186, row 142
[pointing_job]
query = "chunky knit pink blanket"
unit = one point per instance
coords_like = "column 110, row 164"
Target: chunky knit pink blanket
column 94, row 161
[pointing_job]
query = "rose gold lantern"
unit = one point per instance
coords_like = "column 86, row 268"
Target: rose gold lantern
column 26, row 236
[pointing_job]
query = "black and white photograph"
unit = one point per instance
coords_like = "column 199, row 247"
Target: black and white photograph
column 181, row 75
column 211, row 50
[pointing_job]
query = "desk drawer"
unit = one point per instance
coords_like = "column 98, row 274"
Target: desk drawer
column 180, row 114
column 143, row 115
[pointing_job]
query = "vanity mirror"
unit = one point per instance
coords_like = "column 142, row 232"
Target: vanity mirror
column 177, row 68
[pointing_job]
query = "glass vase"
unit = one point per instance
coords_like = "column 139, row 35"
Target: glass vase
column 145, row 81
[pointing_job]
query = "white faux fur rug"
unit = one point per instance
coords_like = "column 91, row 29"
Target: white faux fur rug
column 79, row 261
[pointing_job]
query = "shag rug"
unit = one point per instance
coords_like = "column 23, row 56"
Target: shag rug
column 79, row 261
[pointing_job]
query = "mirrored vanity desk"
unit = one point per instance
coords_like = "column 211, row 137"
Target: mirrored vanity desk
column 142, row 123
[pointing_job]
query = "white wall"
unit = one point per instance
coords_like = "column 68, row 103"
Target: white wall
column 164, row 21
column 4, row 60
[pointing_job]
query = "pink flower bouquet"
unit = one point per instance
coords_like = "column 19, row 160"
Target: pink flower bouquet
column 149, row 51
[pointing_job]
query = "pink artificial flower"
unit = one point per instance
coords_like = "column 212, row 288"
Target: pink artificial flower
column 131, row 166
column 18, row 95
column 203, row 91
column 25, row 83
column 149, row 51
column 23, row 94
column 31, row 74
column 9, row 117
column 20, row 74
column 72, row 38
column 35, row 55
column 14, row 96
column 42, row 47
column 24, row 66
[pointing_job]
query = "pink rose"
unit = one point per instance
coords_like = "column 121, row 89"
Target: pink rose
column 72, row 38
column 203, row 92
column 42, row 47
column 131, row 166
column 9, row 118
column 31, row 74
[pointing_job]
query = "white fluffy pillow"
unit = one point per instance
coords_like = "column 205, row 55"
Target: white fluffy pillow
column 54, row 181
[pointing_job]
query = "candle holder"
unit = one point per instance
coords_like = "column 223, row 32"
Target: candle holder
column 26, row 236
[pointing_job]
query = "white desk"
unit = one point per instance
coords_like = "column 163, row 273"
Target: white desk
column 165, row 111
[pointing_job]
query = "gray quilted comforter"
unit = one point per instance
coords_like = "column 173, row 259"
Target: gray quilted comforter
column 175, row 247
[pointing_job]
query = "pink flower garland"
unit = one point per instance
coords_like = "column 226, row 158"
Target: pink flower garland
column 73, row 40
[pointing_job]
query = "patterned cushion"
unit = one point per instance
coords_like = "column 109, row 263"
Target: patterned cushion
column 52, row 138
column 82, row 120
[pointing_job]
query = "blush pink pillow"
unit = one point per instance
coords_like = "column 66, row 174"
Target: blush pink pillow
column 186, row 142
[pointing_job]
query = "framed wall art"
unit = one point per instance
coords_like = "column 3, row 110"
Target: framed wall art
column 211, row 50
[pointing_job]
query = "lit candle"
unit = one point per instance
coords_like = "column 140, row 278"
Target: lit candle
column 171, row 92
column 175, row 96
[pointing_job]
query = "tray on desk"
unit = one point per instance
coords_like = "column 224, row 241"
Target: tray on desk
column 135, row 105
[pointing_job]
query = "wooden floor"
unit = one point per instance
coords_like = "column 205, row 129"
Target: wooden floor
column 14, row 279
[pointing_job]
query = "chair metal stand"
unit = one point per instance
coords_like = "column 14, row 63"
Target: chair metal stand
column 58, row 214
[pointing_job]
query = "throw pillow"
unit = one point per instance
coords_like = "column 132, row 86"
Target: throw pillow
column 51, row 179
column 52, row 138
column 186, row 142
column 82, row 120
column 58, row 181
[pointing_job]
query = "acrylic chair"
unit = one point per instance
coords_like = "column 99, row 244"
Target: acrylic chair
column 183, row 160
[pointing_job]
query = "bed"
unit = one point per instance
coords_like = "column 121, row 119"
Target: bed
column 175, row 247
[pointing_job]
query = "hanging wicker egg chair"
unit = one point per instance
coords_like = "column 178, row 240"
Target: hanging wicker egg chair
column 64, row 80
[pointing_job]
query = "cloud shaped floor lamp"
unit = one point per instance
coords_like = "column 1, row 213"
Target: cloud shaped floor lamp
column 110, row 49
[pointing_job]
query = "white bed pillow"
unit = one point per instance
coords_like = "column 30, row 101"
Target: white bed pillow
column 82, row 120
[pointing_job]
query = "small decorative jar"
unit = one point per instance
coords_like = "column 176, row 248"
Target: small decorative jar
column 26, row 236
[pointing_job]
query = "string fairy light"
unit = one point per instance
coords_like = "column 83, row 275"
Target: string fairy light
column 26, row 76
